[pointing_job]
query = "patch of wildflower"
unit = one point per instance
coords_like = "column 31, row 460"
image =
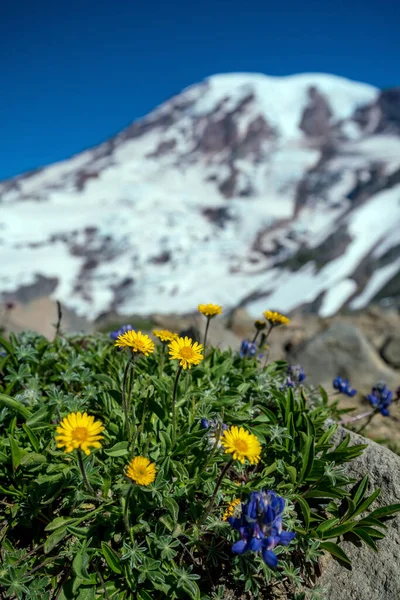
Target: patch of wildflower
column 164, row 335
column 210, row 310
column 343, row 387
column 114, row 335
column 141, row 470
column 295, row 376
column 136, row 341
column 260, row 526
column 241, row 444
column 380, row 398
column 247, row 349
column 81, row 431
column 188, row 353
column 215, row 428
column 275, row 318
column 231, row 509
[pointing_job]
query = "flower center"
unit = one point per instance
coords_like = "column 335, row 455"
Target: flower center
column 141, row 471
column 80, row 434
column 241, row 446
column 186, row 352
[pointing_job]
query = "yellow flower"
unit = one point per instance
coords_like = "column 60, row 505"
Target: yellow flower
column 260, row 325
column 78, row 430
column 241, row 444
column 164, row 335
column 137, row 341
column 210, row 310
column 231, row 509
column 187, row 352
column 275, row 318
column 141, row 470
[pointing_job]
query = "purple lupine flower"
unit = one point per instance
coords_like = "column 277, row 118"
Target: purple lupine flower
column 295, row 376
column 260, row 526
column 343, row 387
column 247, row 349
column 215, row 427
column 120, row 331
column 381, row 398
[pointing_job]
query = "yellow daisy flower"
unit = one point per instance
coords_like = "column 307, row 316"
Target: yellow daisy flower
column 231, row 508
column 241, row 444
column 210, row 310
column 187, row 352
column 164, row 335
column 79, row 430
column 141, row 470
column 275, row 318
column 137, row 341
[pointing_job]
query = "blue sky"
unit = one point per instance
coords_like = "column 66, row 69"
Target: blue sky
column 74, row 73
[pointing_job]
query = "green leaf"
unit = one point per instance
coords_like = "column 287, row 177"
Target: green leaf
column 360, row 490
column 16, row 453
column 87, row 593
column 289, row 405
column 112, row 558
column 54, row 539
column 308, row 456
column 367, row 502
column 305, row 509
column 10, row 350
column 172, row 507
column 32, row 437
column 339, row 530
column 292, row 471
column 120, row 449
column 15, row 405
column 363, row 535
column 372, row 532
column 385, row 511
column 32, row 459
column 39, row 415
column 336, row 551
column 326, row 525
column 60, row 522
column 80, row 564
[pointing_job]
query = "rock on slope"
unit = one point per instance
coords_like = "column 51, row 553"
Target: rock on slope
column 244, row 189
column 373, row 576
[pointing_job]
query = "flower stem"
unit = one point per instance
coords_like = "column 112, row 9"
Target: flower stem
column 367, row 422
column 255, row 337
column 205, row 334
column 217, row 486
column 126, row 394
column 178, row 373
column 126, row 507
column 82, row 468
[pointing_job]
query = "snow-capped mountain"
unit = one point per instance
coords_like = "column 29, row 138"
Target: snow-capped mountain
column 264, row 192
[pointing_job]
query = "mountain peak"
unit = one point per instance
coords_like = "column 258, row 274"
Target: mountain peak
column 278, row 191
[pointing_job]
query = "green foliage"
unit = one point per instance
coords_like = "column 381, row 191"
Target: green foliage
column 61, row 539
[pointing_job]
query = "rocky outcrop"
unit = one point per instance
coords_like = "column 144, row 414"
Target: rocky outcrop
column 343, row 350
column 374, row 576
column 315, row 121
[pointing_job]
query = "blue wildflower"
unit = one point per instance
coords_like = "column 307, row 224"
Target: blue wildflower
column 120, row 331
column 260, row 526
column 215, row 428
column 247, row 349
column 381, row 398
column 295, row 376
column 343, row 387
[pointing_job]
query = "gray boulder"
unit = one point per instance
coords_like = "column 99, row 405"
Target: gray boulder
column 374, row 576
column 342, row 349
